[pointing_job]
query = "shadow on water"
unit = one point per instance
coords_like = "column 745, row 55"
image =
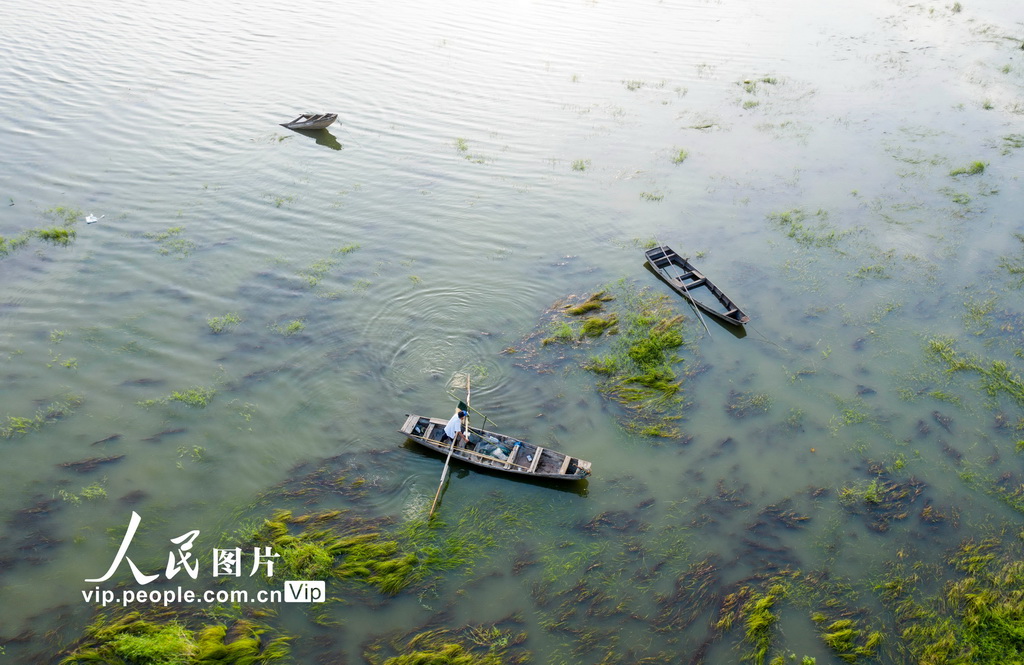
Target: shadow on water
column 739, row 332
column 323, row 137
column 578, row 487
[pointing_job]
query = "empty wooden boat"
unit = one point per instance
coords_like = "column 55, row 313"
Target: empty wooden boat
column 311, row 121
column 497, row 452
column 690, row 283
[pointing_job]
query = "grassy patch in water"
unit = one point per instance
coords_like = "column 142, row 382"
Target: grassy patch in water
column 974, row 617
column 58, row 235
column 595, row 326
column 753, row 610
column 742, row 403
column 800, row 226
column 974, row 168
column 594, row 302
column 171, row 242
column 474, row 645
column 1014, row 266
column 321, row 267
column 680, row 155
column 197, row 397
column 637, row 370
column 290, row 328
column 137, row 639
column 995, row 376
column 15, row 426
column 339, row 545
column 219, row 324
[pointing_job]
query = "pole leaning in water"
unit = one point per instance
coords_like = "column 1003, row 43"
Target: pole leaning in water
column 451, row 448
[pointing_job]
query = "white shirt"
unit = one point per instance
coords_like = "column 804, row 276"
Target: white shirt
column 454, row 425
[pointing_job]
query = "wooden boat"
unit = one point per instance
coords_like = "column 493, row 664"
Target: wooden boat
column 487, row 449
column 690, row 283
column 311, row 121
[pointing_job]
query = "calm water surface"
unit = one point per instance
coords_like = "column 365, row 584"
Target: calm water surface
column 489, row 162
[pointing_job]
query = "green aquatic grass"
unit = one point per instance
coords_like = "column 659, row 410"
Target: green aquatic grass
column 473, row 645
column 291, row 328
column 219, row 324
column 974, row 168
column 680, row 155
column 636, row 368
column 198, row 397
column 17, row 426
column 595, row 326
column 974, row 616
column 595, row 302
column 171, row 242
column 135, row 638
column 810, row 230
column 995, row 376
column 58, row 235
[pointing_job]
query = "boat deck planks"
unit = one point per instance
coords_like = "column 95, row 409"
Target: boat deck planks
column 526, row 460
column 689, row 282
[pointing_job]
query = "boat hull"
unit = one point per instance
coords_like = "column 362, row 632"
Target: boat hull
column 523, row 459
column 690, row 283
column 312, row 121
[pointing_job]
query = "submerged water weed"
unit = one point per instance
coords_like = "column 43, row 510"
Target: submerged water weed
column 67, row 215
column 595, row 326
column 15, row 426
column 319, row 269
column 560, row 332
column 474, row 645
column 8, row 245
column 881, row 500
column 995, row 376
column 157, row 640
column 753, row 610
column 336, row 544
column 594, row 302
column 171, row 242
column 290, row 328
column 580, row 164
column 637, row 371
column 197, row 397
column 57, row 235
column 219, row 324
column 680, row 155
column 348, row 550
column 975, row 616
column 1014, row 266
column 742, row 404
column 795, row 225
column 974, row 168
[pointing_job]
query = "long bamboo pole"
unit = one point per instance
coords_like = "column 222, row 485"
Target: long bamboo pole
column 447, row 460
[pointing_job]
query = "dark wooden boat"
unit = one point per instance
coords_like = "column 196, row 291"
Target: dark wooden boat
column 690, row 283
column 497, row 452
column 311, row 121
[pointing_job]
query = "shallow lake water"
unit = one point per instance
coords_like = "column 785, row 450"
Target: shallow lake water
column 243, row 310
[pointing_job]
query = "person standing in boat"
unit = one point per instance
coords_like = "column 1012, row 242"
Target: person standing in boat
column 453, row 430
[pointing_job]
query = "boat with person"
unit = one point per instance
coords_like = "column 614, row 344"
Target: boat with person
column 690, row 283
column 311, row 121
column 497, row 452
